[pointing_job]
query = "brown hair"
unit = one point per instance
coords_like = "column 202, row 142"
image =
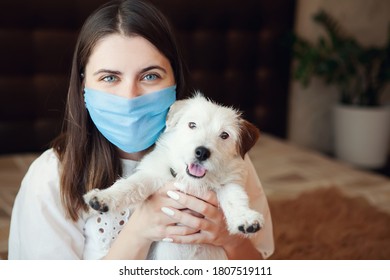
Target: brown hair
column 87, row 159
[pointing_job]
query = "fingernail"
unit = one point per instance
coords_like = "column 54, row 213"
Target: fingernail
column 173, row 195
column 167, row 211
column 167, row 240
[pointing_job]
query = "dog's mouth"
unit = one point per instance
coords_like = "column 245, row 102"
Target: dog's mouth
column 196, row 170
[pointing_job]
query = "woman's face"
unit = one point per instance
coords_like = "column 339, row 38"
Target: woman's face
column 127, row 67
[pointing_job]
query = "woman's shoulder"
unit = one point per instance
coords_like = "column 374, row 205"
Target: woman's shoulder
column 42, row 173
column 47, row 156
column 48, row 160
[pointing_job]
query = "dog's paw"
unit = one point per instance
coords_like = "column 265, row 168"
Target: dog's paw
column 98, row 205
column 92, row 199
column 255, row 227
column 249, row 223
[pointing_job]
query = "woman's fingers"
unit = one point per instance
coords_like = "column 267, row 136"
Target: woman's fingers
column 179, row 230
column 160, row 198
column 187, row 219
column 207, row 208
column 196, row 238
column 209, row 197
column 208, row 226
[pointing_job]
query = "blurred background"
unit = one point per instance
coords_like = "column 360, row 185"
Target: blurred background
column 238, row 53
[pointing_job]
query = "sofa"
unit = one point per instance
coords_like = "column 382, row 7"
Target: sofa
column 234, row 51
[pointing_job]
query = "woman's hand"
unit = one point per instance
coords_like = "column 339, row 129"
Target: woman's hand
column 151, row 223
column 209, row 225
column 203, row 216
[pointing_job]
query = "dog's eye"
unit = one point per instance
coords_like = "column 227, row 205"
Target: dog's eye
column 192, row 125
column 224, row 135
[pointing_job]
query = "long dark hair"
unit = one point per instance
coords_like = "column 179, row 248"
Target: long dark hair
column 87, row 159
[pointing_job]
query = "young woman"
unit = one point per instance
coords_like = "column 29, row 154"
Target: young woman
column 126, row 71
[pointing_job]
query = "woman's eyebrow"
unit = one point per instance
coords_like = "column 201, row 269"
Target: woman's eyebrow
column 146, row 69
column 143, row 70
column 107, row 71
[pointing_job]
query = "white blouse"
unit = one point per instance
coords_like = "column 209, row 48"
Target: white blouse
column 40, row 229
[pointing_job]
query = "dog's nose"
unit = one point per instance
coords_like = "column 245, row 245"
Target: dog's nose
column 202, row 153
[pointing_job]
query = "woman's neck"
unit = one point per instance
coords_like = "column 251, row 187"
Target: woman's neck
column 134, row 156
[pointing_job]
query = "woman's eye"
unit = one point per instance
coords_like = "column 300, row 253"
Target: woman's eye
column 150, row 77
column 110, row 79
column 224, row 135
column 192, row 125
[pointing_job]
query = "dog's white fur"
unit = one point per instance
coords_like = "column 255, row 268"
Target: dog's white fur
column 192, row 123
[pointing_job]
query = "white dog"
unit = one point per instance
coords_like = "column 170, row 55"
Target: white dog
column 203, row 147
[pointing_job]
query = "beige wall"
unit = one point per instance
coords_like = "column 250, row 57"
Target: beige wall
column 309, row 121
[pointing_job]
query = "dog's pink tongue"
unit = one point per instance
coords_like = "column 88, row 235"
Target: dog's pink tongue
column 196, row 170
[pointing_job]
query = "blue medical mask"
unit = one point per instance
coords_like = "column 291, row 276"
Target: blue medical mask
column 132, row 125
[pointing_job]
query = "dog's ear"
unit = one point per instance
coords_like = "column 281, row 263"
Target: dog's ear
column 175, row 113
column 249, row 134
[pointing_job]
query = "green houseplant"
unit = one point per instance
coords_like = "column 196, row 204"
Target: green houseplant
column 360, row 73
